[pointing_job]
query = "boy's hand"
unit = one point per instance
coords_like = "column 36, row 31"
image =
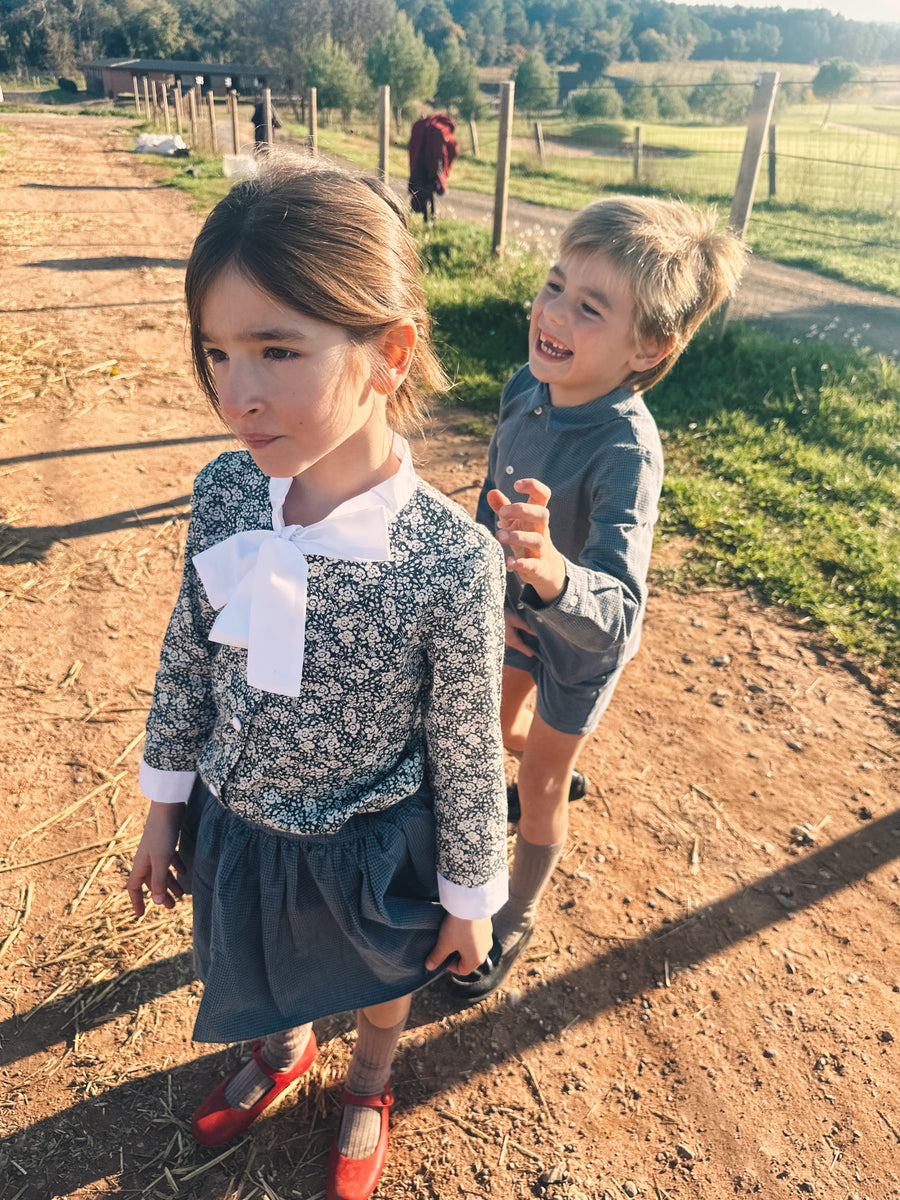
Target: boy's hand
column 469, row 941
column 155, row 856
column 513, row 637
column 524, row 528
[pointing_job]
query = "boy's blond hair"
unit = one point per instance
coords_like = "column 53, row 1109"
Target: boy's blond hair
column 678, row 265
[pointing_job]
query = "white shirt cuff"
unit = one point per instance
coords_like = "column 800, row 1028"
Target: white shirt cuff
column 472, row 904
column 165, row 787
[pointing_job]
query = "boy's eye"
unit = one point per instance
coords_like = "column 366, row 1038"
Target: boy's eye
column 552, row 286
column 590, row 310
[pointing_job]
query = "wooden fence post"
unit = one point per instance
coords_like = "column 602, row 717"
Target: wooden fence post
column 165, row 105
column 384, row 132
column 539, row 141
column 146, row 89
column 179, row 108
column 758, row 120
column 137, row 97
column 773, row 158
column 473, row 138
column 235, row 129
column 312, row 101
column 638, row 154
column 504, row 150
column 192, row 112
column 213, row 133
column 270, row 129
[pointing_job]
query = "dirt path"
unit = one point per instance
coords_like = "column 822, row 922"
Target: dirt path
column 710, row 1005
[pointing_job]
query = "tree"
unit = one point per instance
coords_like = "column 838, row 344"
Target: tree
column 537, row 84
column 332, row 72
column 400, row 59
column 672, row 103
column 597, row 100
column 832, row 80
column 150, row 28
column 720, row 99
column 457, row 84
column 641, row 104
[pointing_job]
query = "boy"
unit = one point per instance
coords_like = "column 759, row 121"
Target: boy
column 634, row 280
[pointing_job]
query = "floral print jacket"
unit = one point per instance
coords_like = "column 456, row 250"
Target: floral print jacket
column 401, row 686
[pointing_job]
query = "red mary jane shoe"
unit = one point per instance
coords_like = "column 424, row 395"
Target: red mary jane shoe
column 215, row 1121
column 357, row 1178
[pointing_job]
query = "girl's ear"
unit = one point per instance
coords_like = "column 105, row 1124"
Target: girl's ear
column 395, row 353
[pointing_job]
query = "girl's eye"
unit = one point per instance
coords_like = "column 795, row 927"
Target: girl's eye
column 214, row 356
column 279, row 353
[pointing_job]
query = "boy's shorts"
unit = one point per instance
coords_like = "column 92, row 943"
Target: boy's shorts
column 567, row 707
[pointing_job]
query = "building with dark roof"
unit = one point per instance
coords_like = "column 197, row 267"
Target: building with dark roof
column 112, row 76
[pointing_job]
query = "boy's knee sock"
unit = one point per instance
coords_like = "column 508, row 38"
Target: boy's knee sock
column 369, row 1071
column 531, row 871
column 281, row 1051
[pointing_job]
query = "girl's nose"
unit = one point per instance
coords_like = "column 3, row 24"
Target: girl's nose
column 237, row 391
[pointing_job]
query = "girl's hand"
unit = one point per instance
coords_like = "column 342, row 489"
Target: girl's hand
column 155, row 856
column 469, row 941
column 524, row 529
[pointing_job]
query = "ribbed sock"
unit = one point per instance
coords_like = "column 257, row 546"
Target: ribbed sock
column 369, row 1071
column 281, row 1051
column 531, row 871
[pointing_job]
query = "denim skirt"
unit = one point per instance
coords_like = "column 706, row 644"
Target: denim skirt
column 292, row 927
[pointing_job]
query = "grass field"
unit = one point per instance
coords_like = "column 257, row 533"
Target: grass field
column 836, row 208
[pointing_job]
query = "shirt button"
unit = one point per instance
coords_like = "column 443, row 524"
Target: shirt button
column 509, row 470
column 538, row 411
column 520, row 605
column 236, row 722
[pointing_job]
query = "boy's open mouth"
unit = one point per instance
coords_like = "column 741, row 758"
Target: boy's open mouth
column 551, row 348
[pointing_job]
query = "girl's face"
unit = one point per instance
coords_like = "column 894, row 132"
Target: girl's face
column 293, row 389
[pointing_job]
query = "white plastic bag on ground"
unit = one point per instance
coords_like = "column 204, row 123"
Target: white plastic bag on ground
column 159, row 143
column 239, row 166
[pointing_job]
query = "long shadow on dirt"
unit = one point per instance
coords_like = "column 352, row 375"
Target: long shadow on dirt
column 161, row 1102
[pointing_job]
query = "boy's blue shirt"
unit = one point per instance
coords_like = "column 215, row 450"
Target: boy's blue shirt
column 603, row 462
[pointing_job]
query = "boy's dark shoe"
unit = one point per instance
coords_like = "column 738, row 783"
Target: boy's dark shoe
column 488, row 977
column 577, row 789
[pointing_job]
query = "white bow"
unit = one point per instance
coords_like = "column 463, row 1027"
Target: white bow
column 258, row 577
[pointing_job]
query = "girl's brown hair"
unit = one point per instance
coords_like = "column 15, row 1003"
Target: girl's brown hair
column 679, row 266
column 332, row 245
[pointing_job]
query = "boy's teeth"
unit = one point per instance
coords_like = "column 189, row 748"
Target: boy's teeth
column 553, row 348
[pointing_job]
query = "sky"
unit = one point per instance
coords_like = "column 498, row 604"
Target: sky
column 857, row 10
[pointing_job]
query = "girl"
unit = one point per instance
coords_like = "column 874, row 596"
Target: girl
column 324, row 737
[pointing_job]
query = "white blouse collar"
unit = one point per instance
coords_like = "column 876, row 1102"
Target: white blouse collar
column 257, row 578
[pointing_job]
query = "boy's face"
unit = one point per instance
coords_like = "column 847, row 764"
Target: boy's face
column 581, row 341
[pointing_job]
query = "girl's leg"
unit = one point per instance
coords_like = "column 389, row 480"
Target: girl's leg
column 378, row 1031
column 278, row 1060
column 357, row 1154
column 280, row 1051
